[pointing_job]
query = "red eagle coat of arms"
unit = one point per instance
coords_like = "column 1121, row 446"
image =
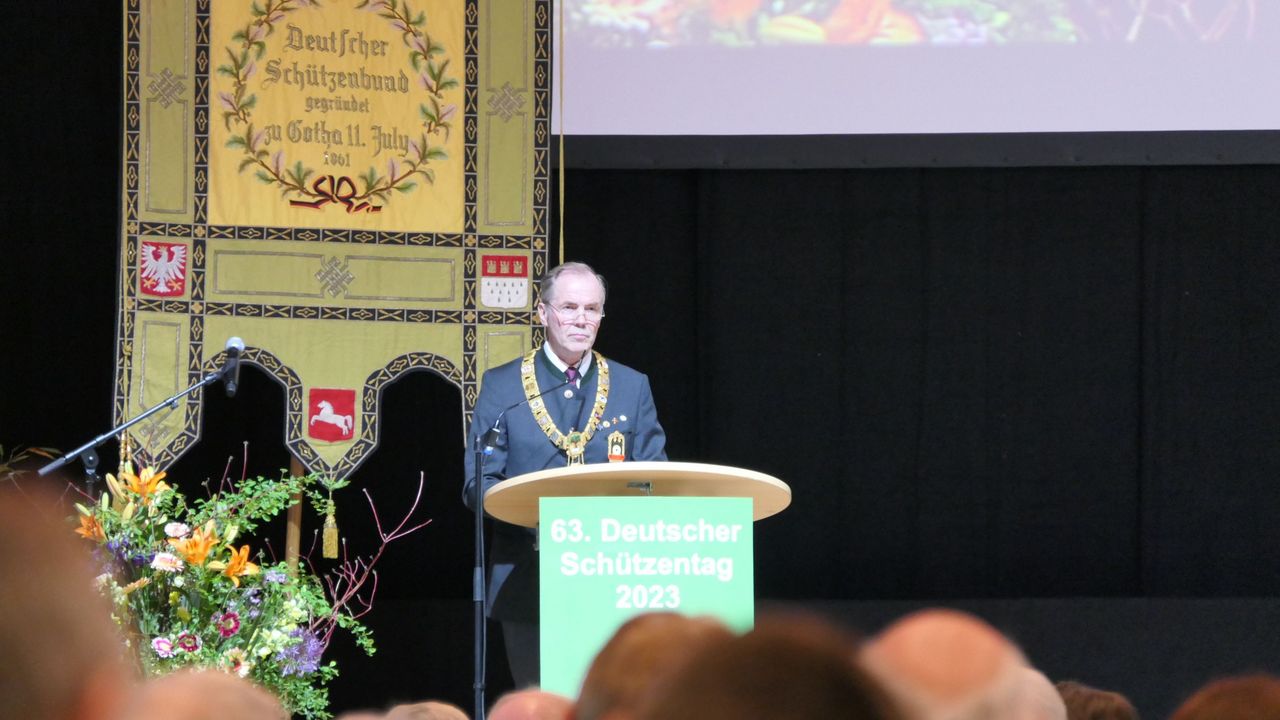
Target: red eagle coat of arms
column 331, row 414
column 162, row 269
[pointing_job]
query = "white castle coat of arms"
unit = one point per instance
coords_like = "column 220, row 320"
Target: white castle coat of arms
column 504, row 281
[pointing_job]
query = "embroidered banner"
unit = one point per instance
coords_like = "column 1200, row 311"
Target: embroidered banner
column 356, row 188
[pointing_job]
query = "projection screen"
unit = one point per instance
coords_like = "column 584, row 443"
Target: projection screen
column 916, row 67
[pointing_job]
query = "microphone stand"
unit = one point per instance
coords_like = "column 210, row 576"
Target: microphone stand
column 88, row 455
column 483, row 447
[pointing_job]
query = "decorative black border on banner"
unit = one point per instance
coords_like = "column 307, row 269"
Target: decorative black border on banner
column 354, row 237
column 295, row 414
column 131, row 121
column 202, row 120
column 470, row 383
column 542, row 39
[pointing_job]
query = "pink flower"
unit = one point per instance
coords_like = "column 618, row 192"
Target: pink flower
column 257, row 32
column 277, row 162
column 163, row 647
column 228, row 103
column 257, row 139
column 228, row 624
column 415, row 150
column 447, row 112
column 188, row 642
column 250, row 69
column 177, row 529
column 419, row 43
column 426, row 82
column 166, row 562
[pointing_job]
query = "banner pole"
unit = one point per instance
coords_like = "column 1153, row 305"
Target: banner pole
column 559, row 55
column 293, row 530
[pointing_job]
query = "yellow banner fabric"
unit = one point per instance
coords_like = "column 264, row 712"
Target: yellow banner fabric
column 356, row 189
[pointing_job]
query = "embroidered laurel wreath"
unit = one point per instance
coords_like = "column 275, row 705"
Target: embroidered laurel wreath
column 299, row 183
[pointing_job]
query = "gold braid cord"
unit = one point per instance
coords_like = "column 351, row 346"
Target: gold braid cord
column 573, row 444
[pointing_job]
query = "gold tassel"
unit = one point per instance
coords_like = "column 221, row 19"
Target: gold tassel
column 330, row 535
column 126, row 452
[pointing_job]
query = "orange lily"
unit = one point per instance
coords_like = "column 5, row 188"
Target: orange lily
column 147, row 485
column 91, row 529
column 195, row 549
column 239, row 565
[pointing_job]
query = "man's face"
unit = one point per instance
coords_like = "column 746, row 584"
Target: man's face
column 572, row 315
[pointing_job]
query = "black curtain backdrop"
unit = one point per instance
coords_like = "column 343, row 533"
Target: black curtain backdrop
column 980, row 383
column 1037, row 382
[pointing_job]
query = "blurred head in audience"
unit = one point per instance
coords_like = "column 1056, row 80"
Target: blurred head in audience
column 360, row 715
column 636, row 656
column 1252, row 697
column 531, row 705
column 204, row 695
column 60, row 656
column 947, row 665
column 1087, row 703
column 1040, row 699
column 782, row 670
column 428, row 710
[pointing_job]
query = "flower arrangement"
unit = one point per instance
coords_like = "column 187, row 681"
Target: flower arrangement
column 185, row 594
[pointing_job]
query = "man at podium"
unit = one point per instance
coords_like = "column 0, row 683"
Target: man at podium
column 560, row 404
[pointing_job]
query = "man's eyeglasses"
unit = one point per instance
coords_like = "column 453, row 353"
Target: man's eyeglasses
column 569, row 312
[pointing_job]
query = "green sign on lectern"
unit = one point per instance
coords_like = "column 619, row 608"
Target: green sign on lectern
column 605, row 560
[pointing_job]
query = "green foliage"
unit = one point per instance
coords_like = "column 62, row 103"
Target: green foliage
column 370, row 180
column 254, row 501
column 299, row 174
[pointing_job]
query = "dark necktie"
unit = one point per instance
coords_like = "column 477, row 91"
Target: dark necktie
column 572, row 375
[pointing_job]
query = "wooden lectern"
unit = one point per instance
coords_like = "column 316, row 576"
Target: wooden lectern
column 618, row 539
column 515, row 500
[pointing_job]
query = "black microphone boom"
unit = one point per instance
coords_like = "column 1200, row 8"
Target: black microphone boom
column 490, row 439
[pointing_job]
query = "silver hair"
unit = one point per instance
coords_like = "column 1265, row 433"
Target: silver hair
column 548, row 282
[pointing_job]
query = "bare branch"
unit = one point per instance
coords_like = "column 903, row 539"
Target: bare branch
column 399, row 530
column 226, row 474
